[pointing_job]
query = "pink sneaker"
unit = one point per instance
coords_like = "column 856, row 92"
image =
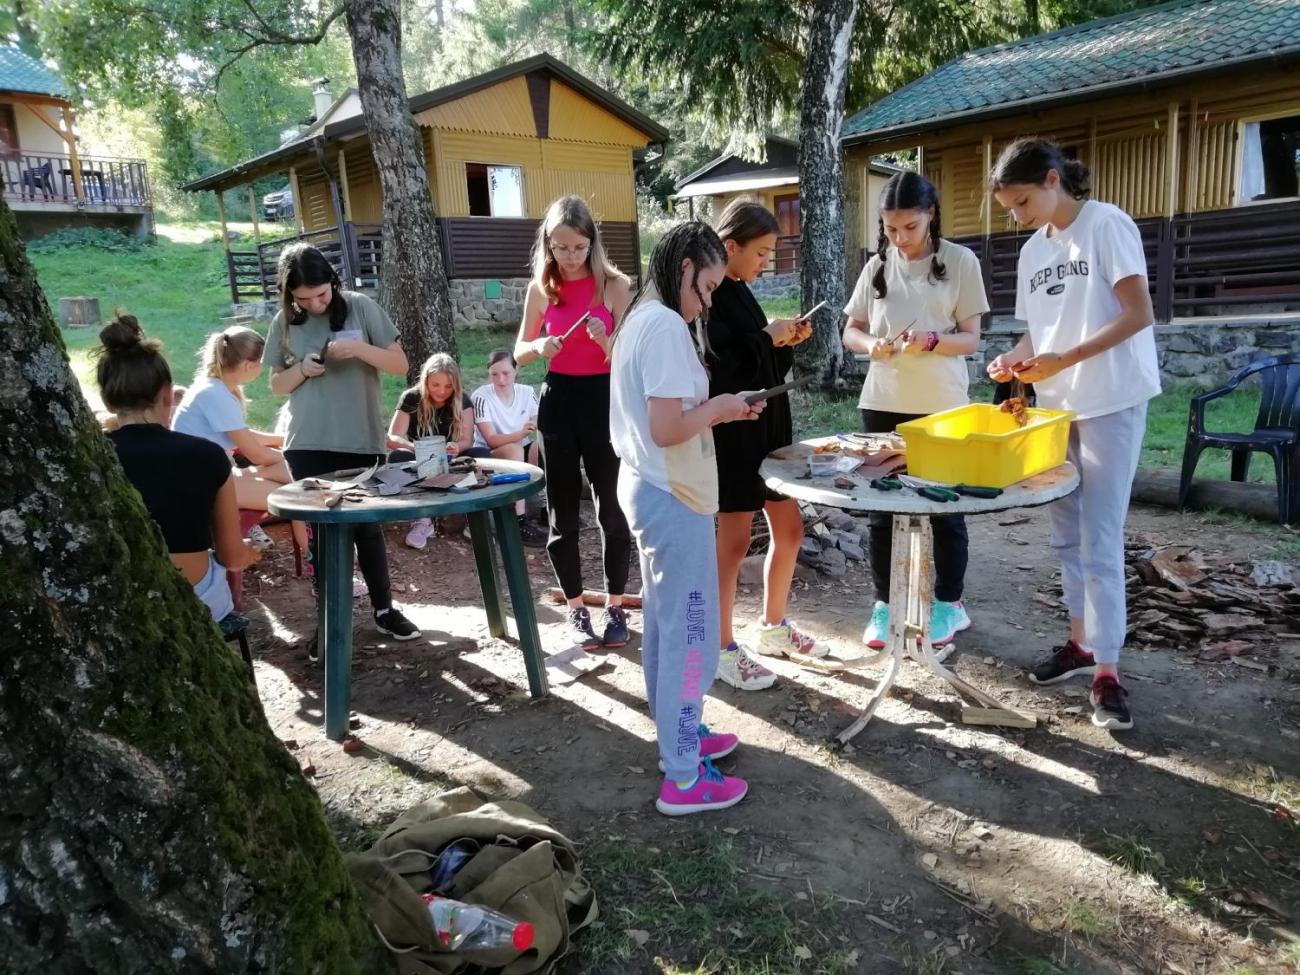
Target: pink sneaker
column 712, row 745
column 712, row 790
column 418, row 536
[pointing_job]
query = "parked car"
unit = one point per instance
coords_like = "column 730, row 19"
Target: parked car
column 274, row 204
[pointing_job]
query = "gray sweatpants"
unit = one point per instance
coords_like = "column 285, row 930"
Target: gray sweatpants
column 1088, row 526
column 680, row 624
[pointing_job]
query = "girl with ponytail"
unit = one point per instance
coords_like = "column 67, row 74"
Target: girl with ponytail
column 213, row 408
column 661, row 421
column 915, row 312
column 1081, row 286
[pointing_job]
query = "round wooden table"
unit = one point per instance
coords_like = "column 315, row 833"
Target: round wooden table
column 910, row 579
column 487, row 508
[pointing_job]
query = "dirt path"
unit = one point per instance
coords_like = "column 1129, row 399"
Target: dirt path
column 927, row 847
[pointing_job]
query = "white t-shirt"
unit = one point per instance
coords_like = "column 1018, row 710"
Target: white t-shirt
column 1065, row 291
column 655, row 355
column 505, row 417
column 210, row 410
column 929, row 382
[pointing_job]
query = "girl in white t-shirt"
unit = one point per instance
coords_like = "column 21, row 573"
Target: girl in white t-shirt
column 916, row 312
column 660, row 424
column 213, row 408
column 1081, row 285
column 505, row 421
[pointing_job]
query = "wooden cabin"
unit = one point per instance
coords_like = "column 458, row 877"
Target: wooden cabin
column 499, row 148
column 773, row 182
column 1187, row 114
column 49, row 183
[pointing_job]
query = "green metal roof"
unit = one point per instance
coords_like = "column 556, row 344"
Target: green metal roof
column 1174, row 40
column 22, row 72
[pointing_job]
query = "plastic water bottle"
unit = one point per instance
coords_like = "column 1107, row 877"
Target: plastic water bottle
column 469, row 927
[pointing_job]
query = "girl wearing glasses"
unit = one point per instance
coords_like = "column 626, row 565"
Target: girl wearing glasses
column 573, row 277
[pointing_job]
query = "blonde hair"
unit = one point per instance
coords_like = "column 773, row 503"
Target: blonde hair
column 571, row 212
column 425, row 412
column 226, row 350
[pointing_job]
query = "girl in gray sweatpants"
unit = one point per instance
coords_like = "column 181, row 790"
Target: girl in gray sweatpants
column 660, row 423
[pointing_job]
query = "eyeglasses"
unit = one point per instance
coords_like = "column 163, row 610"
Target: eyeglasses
column 559, row 250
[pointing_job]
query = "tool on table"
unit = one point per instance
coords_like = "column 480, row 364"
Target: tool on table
column 927, row 490
column 507, row 478
column 891, row 483
column 763, row 394
column 968, row 490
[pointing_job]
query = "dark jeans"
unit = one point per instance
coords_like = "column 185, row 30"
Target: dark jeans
column 951, row 545
column 372, row 557
column 573, row 425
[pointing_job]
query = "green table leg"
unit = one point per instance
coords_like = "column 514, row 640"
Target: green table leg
column 521, row 596
column 335, row 573
column 480, row 530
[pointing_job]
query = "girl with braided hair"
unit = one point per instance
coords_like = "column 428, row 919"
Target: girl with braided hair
column 915, row 312
column 661, row 421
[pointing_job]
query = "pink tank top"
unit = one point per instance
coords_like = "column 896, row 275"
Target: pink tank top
column 580, row 355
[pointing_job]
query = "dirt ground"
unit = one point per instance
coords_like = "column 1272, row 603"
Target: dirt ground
column 927, row 846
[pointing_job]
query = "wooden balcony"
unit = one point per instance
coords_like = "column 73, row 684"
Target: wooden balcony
column 35, row 180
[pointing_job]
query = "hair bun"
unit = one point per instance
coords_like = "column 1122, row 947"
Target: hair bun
column 124, row 335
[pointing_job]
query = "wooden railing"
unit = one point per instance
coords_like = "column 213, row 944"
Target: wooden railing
column 35, row 177
column 356, row 254
column 787, row 257
column 1198, row 264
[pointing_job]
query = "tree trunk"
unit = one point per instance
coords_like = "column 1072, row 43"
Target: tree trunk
column 413, row 281
column 821, row 183
column 150, row 821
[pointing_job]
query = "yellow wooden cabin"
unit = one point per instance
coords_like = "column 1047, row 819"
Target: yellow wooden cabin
column 1187, row 114
column 499, row 148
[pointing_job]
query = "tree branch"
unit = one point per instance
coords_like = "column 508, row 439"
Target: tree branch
column 270, row 37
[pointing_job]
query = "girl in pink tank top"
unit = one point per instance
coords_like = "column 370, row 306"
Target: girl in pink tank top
column 573, row 277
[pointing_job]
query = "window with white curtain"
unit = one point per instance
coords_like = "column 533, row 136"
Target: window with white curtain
column 1270, row 160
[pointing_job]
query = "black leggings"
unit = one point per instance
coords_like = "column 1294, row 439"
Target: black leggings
column 573, row 424
column 951, row 545
column 372, row 558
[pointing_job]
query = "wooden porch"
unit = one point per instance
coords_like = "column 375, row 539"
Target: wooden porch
column 33, row 180
column 1200, row 265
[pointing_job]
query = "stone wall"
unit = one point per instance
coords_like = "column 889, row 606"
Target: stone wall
column 1200, row 351
column 776, row 286
column 473, row 308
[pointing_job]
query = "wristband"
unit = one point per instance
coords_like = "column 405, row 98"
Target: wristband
column 931, row 341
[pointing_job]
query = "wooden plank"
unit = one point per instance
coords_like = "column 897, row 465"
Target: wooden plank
column 1171, row 161
column 998, row 717
column 252, row 206
column 986, row 205
column 221, row 212
column 1191, row 195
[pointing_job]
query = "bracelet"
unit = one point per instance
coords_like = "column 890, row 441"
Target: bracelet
column 931, row 341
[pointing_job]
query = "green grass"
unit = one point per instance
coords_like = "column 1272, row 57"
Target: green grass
column 703, row 914
column 177, row 288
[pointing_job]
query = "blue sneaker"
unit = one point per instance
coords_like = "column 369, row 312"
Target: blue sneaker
column 877, row 632
column 946, row 621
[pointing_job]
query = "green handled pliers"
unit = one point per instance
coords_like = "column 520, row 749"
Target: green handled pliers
column 890, row 483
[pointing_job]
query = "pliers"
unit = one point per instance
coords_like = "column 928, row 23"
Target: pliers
column 942, row 492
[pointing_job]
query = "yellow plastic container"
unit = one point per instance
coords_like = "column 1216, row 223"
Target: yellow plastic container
column 982, row 446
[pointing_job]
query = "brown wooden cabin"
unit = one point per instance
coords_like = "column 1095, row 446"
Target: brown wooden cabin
column 499, row 148
column 773, row 182
column 48, row 182
column 1188, row 115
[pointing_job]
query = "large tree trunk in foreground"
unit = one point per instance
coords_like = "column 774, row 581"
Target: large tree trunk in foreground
column 149, row 819
column 821, row 183
column 413, row 282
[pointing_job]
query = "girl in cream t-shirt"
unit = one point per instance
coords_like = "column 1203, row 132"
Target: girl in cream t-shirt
column 916, row 312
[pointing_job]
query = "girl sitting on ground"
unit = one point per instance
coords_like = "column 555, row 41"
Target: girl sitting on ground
column 505, row 421
column 436, row 407
column 185, row 481
column 214, row 408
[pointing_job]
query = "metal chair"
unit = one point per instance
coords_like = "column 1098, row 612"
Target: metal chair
column 1276, row 433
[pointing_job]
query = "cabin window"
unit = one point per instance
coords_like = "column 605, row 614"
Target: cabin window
column 1270, row 159
column 495, row 191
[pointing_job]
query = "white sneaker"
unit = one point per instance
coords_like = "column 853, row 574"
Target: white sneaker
column 739, row 669
column 784, row 640
column 259, row 539
column 419, row 534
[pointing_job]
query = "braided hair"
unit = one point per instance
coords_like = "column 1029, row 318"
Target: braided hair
column 907, row 191
column 695, row 241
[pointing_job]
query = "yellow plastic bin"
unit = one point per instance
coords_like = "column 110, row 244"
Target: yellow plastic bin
column 980, row 445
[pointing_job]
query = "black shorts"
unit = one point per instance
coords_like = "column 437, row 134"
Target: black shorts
column 737, row 494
